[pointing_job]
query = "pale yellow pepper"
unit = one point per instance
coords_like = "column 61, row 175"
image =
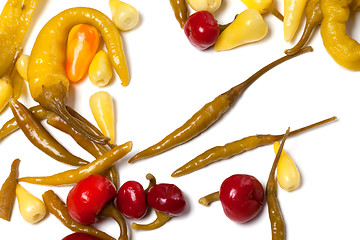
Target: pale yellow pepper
column 249, row 26
column 22, row 65
column 205, row 5
column 32, row 209
column 287, row 173
column 102, row 108
column 100, row 70
column 124, row 15
column 264, row 7
column 293, row 12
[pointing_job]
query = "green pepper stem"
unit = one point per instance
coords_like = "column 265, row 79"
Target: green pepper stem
column 161, row 219
column 152, row 181
column 212, row 197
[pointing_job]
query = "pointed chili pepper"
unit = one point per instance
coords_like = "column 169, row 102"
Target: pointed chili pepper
column 110, row 211
column 208, row 114
column 293, row 11
column 123, row 14
column 237, row 147
column 40, row 137
column 98, row 166
column 100, row 69
column 180, row 10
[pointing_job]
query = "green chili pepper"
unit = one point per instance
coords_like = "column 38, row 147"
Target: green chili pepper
column 7, row 192
column 40, row 137
column 180, row 10
column 58, row 208
column 208, row 114
column 110, row 211
column 161, row 219
column 237, row 147
column 276, row 219
column 99, row 166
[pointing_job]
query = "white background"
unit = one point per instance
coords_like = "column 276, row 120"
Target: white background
column 170, row 81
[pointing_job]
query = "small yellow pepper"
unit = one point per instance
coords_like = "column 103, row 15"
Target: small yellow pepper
column 342, row 48
column 102, row 107
column 293, row 11
column 124, row 15
column 22, row 65
column 287, row 173
column 205, row 5
column 249, row 26
column 32, row 209
column 100, row 70
column 264, row 7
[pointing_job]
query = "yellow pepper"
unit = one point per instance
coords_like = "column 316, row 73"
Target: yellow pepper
column 14, row 22
column 205, row 5
column 100, row 70
column 124, row 15
column 22, row 65
column 342, row 48
column 264, row 7
column 287, row 173
column 293, row 11
column 32, row 209
column 249, row 26
column 102, row 107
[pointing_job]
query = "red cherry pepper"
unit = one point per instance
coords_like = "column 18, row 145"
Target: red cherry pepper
column 166, row 198
column 88, row 197
column 80, row 236
column 241, row 197
column 131, row 200
column 201, row 29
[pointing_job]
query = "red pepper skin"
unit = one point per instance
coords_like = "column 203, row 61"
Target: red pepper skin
column 201, row 29
column 131, row 200
column 80, row 236
column 166, row 198
column 241, row 197
column 88, row 197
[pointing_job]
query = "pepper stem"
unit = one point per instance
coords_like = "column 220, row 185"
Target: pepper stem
column 152, row 181
column 212, row 197
column 303, row 40
column 110, row 211
column 161, row 219
column 53, row 98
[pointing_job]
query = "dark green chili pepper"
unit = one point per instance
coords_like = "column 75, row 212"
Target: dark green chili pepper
column 237, row 147
column 180, row 10
column 208, row 114
column 110, row 211
column 40, row 137
column 7, row 192
column 58, row 208
column 276, row 219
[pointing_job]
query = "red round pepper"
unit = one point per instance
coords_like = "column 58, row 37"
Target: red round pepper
column 166, row 198
column 131, row 200
column 201, row 29
column 80, row 236
column 88, row 197
column 241, row 197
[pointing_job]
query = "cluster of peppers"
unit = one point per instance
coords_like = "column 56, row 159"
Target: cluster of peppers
column 249, row 26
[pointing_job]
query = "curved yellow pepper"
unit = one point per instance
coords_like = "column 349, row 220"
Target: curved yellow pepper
column 293, row 11
column 248, row 26
column 342, row 48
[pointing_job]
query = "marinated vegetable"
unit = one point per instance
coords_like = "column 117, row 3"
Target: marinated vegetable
column 22, row 65
column 180, row 10
column 205, row 5
column 293, row 12
column 124, row 15
column 100, row 70
column 131, row 200
column 264, row 7
column 31, row 208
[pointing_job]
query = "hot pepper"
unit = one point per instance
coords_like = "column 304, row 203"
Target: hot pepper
column 248, row 26
column 82, row 44
column 40, row 137
column 110, row 211
column 341, row 47
column 48, row 83
column 180, row 10
column 99, row 166
column 237, row 147
column 8, row 191
column 293, row 11
column 207, row 115
column 14, row 22
column 264, row 7
column 123, row 14
column 100, row 70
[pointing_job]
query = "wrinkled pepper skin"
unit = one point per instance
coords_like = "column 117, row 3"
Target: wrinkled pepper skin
column 342, row 48
column 14, row 21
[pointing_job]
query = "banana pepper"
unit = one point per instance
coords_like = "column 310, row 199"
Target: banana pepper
column 293, row 11
column 342, row 48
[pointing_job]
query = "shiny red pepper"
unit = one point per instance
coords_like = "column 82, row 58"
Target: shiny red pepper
column 82, row 44
column 167, row 198
column 131, row 200
column 241, row 197
column 80, row 236
column 88, row 197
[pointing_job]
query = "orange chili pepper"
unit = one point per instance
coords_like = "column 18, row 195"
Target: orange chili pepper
column 82, row 44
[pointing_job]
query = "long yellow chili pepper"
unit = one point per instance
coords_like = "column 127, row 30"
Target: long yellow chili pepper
column 14, row 22
column 293, row 11
column 99, row 166
column 47, row 79
column 342, row 48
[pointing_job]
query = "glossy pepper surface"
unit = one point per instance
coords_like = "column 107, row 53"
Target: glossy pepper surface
column 341, row 47
column 124, row 15
column 99, row 166
column 207, row 115
column 293, row 12
column 180, row 10
column 100, row 69
column 263, row 7
column 131, row 200
column 205, row 5
column 14, row 21
column 82, row 45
